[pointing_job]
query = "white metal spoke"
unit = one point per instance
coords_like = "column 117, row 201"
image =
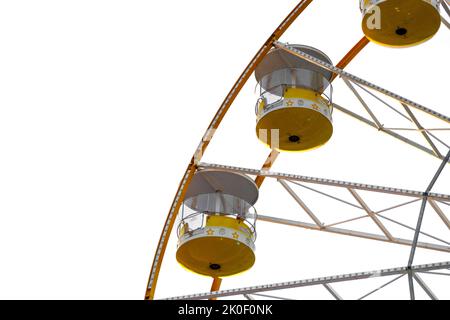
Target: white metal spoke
column 440, row 213
column 371, row 214
column 333, row 292
column 425, row 287
column 384, row 130
column 422, row 209
column 445, row 5
column 425, row 134
column 411, row 118
column 443, row 202
column 318, row 226
column 353, row 233
column 397, row 206
column 381, row 287
column 358, row 80
column 382, row 101
column 417, row 231
column 411, row 228
column 436, row 273
column 363, row 102
column 445, row 22
column 437, row 139
column 322, row 181
column 301, row 203
column 412, row 293
column 419, row 130
column 314, row 281
column 326, row 194
column 270, row 296
column 346, row 221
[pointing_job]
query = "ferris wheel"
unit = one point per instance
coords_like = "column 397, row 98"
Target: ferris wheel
column 213, row 215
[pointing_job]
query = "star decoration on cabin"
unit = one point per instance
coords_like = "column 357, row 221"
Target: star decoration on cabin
column 290, row 103
column 235, row 235
column 315, row 107
column 210, row 232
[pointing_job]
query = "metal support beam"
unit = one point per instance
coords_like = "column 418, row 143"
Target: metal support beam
column 346, row 221
column 328, row 182
column 314, row 281
column 422, row 208
column 332, row 291
column 371, row 214
column 343, row 184
column 270, row 296
column 353, row 233
column 397, row 206
column 440, row 213
column 358, row 80
column 385, row 130
column 437, row 273
column 445, row 22
column 382, row 101
column 301, row 203
column 363, row 102
column 443, row 202
column 381, row 287
column 446, row 7
column 422, row 131
column 326, row 195
column 425, row 287
column 411, row 228
column 412, row 294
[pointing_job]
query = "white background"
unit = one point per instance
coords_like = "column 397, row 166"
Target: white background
column 102, row 104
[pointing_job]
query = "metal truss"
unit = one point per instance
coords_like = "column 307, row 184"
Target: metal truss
column 426, row 197
column 418, row 228
column 249, row 292
column 446, row 6
column 377, row 217
column 354, row 83
column 434, row 146
column 329, row 182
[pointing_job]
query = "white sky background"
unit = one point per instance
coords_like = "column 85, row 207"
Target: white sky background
column 102, row 104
